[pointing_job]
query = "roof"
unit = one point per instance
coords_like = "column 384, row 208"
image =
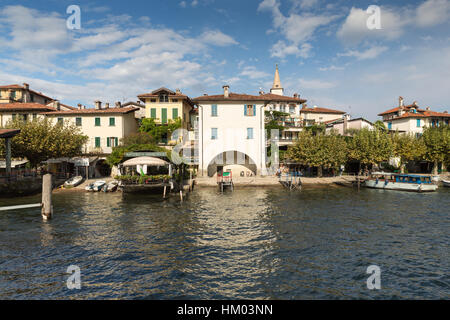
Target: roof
column 321, row 110
column 150, row 161
column 131, row 103
column 18, row 106
column 68, row 107
column 93, row 111
column 341, row 120
column 267, row 97
column 394, row 110
column 8, row 133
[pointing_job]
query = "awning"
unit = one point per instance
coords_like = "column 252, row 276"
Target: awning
column 149, row 161
column 14, row 163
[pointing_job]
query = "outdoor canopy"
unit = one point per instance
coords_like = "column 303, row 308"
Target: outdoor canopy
column 149, row 161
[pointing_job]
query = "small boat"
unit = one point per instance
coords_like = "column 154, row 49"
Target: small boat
column 98, row 185
column 400, row 182
column 73, row 182
column 89, row 187
column 446, row 183
column 111, row 186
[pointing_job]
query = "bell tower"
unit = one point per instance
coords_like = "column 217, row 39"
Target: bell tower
column 277, row 88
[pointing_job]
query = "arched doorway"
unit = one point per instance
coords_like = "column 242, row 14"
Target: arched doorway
column 240, row 164
column 102, row 169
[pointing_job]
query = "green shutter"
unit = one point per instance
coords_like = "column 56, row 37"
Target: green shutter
column 97, row 142
column 78, row 122
column 254, row 110
column 164, row 115
column 245, row 109
column 112, row 122
column 97, row 122
column 174, row 113
column 153, row 113
column 108, row 142
column 117, row 141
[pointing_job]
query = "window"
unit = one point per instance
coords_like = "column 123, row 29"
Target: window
column 24, row 117
column 60, row 120
column 418, row 123
column 250, row 110
column 13, row 95
column 164, row 115
column 32, row 98
column 152, row 100
column 174, row 113
column 163, row 98
column 214, row 135
column 97, row 122
column 34, row 116
column 283, row 108
column 214, row 110
column 112, row 122
column 112, row 142
column 97, row 142
column 174, row 100
column 249, row 133
column 390, row 125
column 78, row 122
column 292, row 109
column 153, row 113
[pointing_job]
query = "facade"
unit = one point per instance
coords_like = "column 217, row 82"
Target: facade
column 22, row 93
column 104, row 126
column 345, row 123
column 412, row 119
column 164, row 105
column 231, row 132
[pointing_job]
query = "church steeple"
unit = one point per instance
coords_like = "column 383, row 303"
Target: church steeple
column 277, row 88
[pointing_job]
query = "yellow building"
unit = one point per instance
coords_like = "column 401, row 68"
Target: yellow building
column 164, row 105
column 15, row 93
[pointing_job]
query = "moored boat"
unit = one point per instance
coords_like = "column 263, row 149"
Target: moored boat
column 111, row 186
column 446, row 183
column 400, row 182
column 73, row 182
column 98, row 185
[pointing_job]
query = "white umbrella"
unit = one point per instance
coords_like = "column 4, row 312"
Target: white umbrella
column 149, row 161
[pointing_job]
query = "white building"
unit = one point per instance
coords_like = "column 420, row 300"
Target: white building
column 104, row 126
column 345, row 123
column 231, row 132
column 411, row 119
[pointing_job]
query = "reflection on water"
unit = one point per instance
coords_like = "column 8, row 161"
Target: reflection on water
column 249, row 244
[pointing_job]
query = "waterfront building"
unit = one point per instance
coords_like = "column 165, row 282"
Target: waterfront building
column 412, row 119
column 164, row 105
column 345, row 123
column 104, row 126
column 231, row 132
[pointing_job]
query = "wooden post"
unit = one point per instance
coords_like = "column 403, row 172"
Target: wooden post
column 181, row 195
column 164, row 194
column 47, row 207
column 8, row 155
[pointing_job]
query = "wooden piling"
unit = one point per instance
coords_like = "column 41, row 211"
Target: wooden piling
column 47, row 207
column 164, row 194
column 181, row 195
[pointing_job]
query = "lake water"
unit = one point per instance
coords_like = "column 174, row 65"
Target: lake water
column 259, row 243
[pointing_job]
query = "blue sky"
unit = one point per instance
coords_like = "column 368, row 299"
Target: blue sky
column 324, row 50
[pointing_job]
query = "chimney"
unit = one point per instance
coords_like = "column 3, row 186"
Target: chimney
column 177, row 91
column 400, row 101
column 261, row 92
column 427, row 108
column 205, row 94
column 445, row 111
column 57, row 105
column 295, row 95
column 304, row 106
column 80, row 106
column 314, row 107
column 415, row 103
column 226, row 91
column 98, row 105
column 26, row 86
column 345, row 124
column 118, row 104
column 107, row 105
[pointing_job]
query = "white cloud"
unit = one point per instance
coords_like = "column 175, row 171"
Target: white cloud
column 183, row 4
column 253, row 73
column 370, row 53
column 331, row 68
column 217, row 38
column 433, row 12
column 281, row 50
column 315, row 84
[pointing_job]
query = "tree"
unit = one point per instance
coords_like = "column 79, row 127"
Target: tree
column 437, row 145
column 137, row 138
column 159, row 131
column 369, row 146
column 406, row 147
column 319, row 150
column 40, row 140
column 380, row 125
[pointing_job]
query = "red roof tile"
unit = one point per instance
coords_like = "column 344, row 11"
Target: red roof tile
column 93, row 111
column 321, row 110
column 17, row 106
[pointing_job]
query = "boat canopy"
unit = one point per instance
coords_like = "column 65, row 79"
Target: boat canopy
column 149, row 161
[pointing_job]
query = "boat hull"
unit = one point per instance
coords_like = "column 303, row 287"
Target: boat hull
column 400, row 186
column 446, row 183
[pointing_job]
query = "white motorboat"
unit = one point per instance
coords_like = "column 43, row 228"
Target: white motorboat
column 446, row 183
column 400, row 182
column 98, row 185
column 73, row 182
column 111, row 186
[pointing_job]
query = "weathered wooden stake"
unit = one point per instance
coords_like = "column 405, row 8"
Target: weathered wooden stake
column 181, row 195
column 47, row 207
column 164, row 194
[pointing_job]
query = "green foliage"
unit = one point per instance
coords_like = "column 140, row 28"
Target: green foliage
column 128, row 179
column 319, row 150
column 158, row 131
column 407, row 147
column 380, row 125
column 40, row 140
column 138, row 138
column 437, row 145
column 369, row 146
column 316, row 129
